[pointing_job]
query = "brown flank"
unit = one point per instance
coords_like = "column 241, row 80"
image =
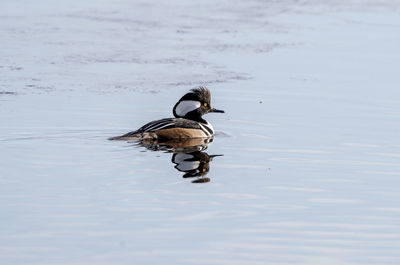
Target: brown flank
column 180, row 133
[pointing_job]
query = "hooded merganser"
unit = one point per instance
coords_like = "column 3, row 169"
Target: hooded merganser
column 188, row 121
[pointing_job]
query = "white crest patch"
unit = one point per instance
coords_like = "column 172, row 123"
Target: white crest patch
column 186, row 106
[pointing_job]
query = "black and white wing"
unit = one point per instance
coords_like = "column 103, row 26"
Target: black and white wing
column 168, row 123
column 157, row 125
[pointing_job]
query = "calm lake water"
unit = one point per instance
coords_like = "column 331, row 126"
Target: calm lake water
column 310, row 162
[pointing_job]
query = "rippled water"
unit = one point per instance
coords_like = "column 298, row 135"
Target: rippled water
column 304, row 168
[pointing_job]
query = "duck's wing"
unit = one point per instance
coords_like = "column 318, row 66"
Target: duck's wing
column 151, row 127
column 157, row 125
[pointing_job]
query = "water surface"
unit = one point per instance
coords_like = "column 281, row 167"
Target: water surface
column 310, row 167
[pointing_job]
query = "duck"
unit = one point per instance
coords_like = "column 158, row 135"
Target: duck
column 187, row 123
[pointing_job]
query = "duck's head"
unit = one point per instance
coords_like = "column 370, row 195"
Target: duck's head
column 194, row 104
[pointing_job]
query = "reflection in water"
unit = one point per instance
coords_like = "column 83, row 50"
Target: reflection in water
column 195, row 164
column 187, row 155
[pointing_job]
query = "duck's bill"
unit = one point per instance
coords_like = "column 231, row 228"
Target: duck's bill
column 217, row 110
column 212, row 156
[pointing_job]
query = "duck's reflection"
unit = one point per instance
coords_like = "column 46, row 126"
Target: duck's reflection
column 194, row 165
column 187, row 155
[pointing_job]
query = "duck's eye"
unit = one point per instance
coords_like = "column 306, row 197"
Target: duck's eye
column 204, row 170
column 205, row 104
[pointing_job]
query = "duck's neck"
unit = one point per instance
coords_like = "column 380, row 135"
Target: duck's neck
column 195, row 118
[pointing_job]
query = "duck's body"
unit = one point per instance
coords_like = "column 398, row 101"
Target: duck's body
column 188, row 122
column 171, row 128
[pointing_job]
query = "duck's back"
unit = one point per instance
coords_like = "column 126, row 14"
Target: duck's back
column 170, row 128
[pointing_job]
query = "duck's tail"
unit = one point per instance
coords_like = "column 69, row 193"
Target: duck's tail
column 127, row 136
